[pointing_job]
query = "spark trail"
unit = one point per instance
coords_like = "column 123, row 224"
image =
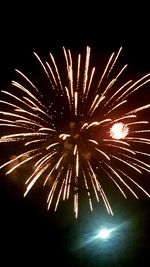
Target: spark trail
column 76, row 127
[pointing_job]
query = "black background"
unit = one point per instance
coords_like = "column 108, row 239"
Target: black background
column 28, row 233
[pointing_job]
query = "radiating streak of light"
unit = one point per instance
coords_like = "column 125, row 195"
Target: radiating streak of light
column 137, row 122
column 26, row 122
column 13, row 125
column 22, row 162
column 86, row 68
column 47, row 129
column 137, row 160
column 114, row 80
column 34, row 141
column 90, row 82
column 76, row 205
column 59, row 194
column 99, row 189
column 115, row 183
column 139, row 141
column 38, row 162
column 134, row 139
column 94, row 101
column 31, row 114
column 141, row 188
column 14, row 115
column 94, row 186
column 141, row 167
column 93, row 175
column 77, row 164
column 105, row 70
column 142, row 153
column 114, row 61
column 31, row 177
column 57, row 72
column 41, row 63
column 18, row 157
column 35, row 179
column 117, row 92
column 27, row 79
column 127, row 163
column 66, row 184
column 59, row 161
column 51, row 193
column 141, row 131
column 93, row 141
column 70, row 72
column 54, row 85
column 75, row 150
column 120, row 178
column 124, row 117
column 20, row 116
column 9, row 104
column 138, row 109
column 9, row 121
column 118, row 105
column 87, row 188
column 69, row 182
column 138, row 86
column 64, row 136
column 116, row 141
column 123, row 148
column 52, row 145
column 138, row 81
column 25, row 90
column 129, row 188
column 49, row 156
column 78, row 70
column 48, row 176
column 68, row 96
column 105, row 199
column 36, row 107
column 76, row 102
column 83, row 126
column 23, row 135
column 97, row 104
column 20, row 100
column 95, row 123
column 106, row 120
column 103, row 153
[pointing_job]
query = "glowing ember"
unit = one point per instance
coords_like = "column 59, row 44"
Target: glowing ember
column 119, row 130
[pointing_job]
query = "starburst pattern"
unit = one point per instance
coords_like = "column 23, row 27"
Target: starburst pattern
column 77, row 126
column 119, row 130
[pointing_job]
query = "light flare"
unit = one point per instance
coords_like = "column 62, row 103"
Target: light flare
column 119, row 130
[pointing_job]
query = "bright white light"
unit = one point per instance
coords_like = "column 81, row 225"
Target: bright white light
column 119, row 130
column 104, row 233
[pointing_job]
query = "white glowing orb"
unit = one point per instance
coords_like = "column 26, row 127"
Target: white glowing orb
column 104, row 233
column 119, row 130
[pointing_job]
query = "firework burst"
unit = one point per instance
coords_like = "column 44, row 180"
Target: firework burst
column 76, row 127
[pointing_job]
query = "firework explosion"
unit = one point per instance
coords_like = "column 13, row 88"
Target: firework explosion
column 77, row 127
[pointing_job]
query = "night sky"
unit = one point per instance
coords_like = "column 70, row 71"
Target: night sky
column 28, row 232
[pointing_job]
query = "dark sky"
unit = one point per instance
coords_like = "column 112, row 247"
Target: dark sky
column 27, row 231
